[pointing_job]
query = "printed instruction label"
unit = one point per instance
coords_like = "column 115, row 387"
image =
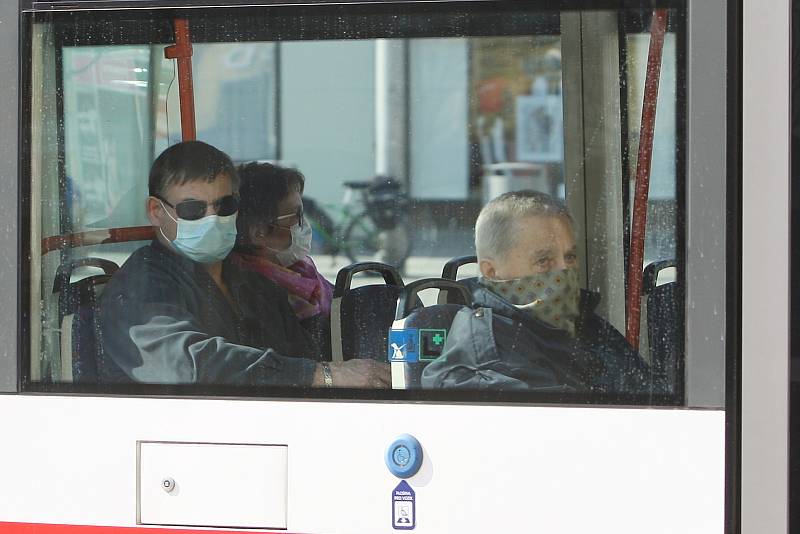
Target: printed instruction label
column 404, row 513
column 404, row 345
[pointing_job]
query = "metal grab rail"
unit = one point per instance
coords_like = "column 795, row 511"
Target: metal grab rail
column 97, row 237
column 658, row 28
column 182, row 52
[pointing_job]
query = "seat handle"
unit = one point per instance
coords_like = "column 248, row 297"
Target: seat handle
column 64, row 271
column 345, row 276
column 408, row 300
column 651, row 272
column 450, row 270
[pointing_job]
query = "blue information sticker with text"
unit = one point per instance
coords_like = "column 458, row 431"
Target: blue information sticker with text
column 404, row 513
column 404, row 345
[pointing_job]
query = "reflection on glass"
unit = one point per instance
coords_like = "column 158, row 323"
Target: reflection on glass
column 108, row 134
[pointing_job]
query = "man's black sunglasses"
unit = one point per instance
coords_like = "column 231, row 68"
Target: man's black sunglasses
column 192, row 210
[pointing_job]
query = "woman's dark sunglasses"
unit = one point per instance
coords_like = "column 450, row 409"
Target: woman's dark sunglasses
column 192, row 210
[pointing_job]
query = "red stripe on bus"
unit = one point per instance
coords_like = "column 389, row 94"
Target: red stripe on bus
column 44, row 528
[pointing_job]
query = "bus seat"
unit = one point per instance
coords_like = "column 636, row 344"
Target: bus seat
column 663, row 324
column 77, row 304
column 450, row 272
column 361, row 316
column 411, row 313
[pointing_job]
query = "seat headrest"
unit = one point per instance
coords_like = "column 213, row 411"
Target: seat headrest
column 437, row 316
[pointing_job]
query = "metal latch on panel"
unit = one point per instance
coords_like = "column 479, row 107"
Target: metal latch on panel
column 168, row 484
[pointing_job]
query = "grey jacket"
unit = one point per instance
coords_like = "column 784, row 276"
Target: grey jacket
column 495, row 346
column 162, row 319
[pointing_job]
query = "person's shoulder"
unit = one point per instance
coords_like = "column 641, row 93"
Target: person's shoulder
column 600, row 336
column 148, row 269
column 251, row 280
column 150, row 259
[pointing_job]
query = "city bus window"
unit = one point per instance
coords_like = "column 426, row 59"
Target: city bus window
column 371, row 202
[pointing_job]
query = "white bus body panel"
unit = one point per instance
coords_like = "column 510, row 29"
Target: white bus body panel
column 72, row 460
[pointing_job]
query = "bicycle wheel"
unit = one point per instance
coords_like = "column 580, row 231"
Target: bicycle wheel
column 364, row 241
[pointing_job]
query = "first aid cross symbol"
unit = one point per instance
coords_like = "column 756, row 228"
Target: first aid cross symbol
column 437, row 339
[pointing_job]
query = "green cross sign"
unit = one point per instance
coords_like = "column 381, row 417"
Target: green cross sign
column 431, row 343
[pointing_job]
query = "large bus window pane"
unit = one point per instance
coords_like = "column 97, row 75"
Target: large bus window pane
column 402, row 142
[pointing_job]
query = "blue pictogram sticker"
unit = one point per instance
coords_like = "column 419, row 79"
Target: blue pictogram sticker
column 404, row 512
column 404, row 345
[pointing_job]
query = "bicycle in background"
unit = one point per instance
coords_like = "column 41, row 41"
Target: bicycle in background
column 371, row 223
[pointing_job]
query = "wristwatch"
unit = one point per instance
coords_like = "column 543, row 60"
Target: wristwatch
column 326, row 375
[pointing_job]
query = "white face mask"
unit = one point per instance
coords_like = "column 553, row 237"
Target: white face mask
column 206, row 240
column 298, row 250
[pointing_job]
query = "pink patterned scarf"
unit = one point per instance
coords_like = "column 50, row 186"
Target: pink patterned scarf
column 309, row 292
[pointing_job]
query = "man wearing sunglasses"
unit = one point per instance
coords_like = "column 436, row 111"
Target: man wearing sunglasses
column 179, row 312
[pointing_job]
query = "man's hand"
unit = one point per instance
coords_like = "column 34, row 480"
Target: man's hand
column 369, row 374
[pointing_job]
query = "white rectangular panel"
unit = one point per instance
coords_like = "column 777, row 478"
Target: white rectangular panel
column 212, row 485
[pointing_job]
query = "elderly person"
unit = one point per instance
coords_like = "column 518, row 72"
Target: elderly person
column 535, row 328
column 274, row 240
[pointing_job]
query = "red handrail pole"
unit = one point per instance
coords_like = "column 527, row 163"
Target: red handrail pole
column 182, row 52
column 658, row 28
column 97, row 237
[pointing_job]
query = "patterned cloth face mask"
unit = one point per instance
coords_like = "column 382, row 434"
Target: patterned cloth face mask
column 552, row 297
column 206, row 240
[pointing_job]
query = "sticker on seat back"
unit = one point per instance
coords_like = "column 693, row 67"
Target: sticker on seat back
column 431, row 343
column 403, row 345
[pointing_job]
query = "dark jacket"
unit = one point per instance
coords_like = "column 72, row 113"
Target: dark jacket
column 162, row 319
column 497, row 346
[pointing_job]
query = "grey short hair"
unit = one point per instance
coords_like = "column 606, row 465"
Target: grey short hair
column 496, row 231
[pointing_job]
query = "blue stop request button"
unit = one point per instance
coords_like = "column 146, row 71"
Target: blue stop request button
column 404, row 456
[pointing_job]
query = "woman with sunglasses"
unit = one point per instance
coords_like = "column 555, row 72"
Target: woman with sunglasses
column 275, row 241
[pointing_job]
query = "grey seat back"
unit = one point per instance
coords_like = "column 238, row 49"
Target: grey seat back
column 664, row 325
column 361, row 316
column 430, row 325
column 77, row 309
